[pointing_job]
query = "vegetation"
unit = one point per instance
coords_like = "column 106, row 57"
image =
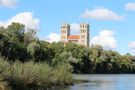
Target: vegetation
column 29, row 61
column 33, row 75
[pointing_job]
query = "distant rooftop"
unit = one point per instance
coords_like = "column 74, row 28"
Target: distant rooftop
column 73, row 37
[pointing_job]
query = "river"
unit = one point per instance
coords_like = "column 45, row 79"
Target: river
column 103, row 82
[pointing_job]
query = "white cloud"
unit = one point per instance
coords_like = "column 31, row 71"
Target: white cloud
column 132, row 47
column 8, row 3
column 105, row 39
column 101, row 14
column 130, row 6
column 75, row 27
column 53, row 37
column 25, row 18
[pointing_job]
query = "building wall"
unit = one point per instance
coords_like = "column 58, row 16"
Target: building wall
column 83, row 35
column 65, row 32
column 73, row 41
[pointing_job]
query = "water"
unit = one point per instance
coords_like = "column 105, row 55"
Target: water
column 103, row 82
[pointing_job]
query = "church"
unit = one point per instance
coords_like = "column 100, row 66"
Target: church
column 82, row 38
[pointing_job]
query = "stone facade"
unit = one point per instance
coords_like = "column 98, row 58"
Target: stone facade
column 82, row 38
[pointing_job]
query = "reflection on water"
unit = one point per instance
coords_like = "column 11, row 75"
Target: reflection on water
column 103, row 82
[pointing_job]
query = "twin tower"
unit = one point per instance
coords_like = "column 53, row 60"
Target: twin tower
column 82, row 38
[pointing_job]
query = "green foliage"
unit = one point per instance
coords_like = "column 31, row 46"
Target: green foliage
column 32, row 47
column 3, row 84
column 16, row 32
column 17, row 43
column 65, row 57
column 34, row 75
column 62, row 74
column 27, row 74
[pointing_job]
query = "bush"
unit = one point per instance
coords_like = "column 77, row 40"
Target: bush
column 62, row 74
column 4, row 66
column 34, row 75
column 29, row 74
column 3, row 85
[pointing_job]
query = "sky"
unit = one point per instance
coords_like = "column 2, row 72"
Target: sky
column 112, row 22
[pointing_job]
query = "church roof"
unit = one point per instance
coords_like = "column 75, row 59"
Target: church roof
column 73, row 37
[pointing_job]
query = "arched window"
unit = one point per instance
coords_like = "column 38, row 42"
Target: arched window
column 63, row 26
column 81, row 31
column 62, row 31
column 83, row 36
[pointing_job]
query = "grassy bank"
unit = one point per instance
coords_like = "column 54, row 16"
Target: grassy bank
column 33, row 75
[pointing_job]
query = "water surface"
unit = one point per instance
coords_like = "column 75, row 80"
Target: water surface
column 103, row 82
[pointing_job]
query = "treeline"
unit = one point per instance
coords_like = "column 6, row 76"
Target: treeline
column 19, row 43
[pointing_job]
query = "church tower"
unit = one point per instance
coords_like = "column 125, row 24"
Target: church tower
column 82, row 38
column 84, row 34
column 65, row 32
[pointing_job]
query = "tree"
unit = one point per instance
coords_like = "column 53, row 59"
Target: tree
column 16, row 32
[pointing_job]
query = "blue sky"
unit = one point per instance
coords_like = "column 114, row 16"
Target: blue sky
column 111, row 21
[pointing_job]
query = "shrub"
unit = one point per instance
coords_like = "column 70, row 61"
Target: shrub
column 33, row 75
column 3, row 84
column 62, row 74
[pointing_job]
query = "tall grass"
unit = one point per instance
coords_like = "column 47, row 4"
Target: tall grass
column 34, row 75
column 62, row 74
column 3, row 84
column 4, row 65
